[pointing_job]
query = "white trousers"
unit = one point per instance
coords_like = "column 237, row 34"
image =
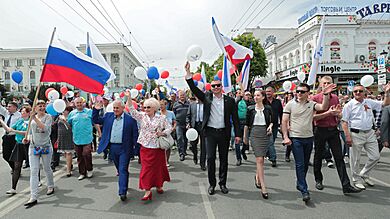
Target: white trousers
column 368, row 141
column 34, row 171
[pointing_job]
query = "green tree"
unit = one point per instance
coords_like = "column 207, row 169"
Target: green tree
column 209, row 71
column 259, row 62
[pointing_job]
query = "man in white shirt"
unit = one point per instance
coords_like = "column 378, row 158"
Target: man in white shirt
column 11, row 115
column 358, row 122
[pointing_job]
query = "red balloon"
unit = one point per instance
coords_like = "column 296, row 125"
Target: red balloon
column 197, row 77
column 138, row 86
column 219, row 74
column 48, row 90
column 122, row 94
column 64, row 90
column 208, row 86
column 293, row 87
column 164, row 74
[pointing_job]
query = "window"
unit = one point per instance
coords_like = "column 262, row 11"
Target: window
column 31, row 62
column 19, row 62
column 43, row 62
column 115, row 57
column 290, row 60
column 297, row 58
column 284, row 62
column 334, row 51
column 32, row 75
column 308, row 51
column 6, row 75
column 6, row 63
column 371, row 50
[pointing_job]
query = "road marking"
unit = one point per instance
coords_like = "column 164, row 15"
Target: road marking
column 20, row 198
column 380, row 181
column 206, row 201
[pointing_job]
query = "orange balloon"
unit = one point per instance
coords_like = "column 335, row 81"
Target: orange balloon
column 197, row 77
column 220, row 74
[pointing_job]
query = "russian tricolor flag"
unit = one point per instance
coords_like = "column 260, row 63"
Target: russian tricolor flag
column 226, row 80
column 65, row 63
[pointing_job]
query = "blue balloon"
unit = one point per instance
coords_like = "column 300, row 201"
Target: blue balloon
column 216, row 78
column 143, row 92
column 152, row 73
column 50, row 109
column 156, row 76
column 196, row 83
column 17, row 76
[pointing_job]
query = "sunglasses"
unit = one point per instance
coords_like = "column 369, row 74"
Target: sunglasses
column 302, row 91
column 216, row 85
column 147, row 107
column 358, row 91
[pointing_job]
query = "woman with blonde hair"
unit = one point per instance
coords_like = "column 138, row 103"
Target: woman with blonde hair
column 154, row 171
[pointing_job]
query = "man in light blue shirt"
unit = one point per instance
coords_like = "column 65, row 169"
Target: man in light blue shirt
column 117, row 130
column 81, row 121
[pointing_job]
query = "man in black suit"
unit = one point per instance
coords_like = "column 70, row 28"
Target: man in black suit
column 218, row 109
column 194, row 120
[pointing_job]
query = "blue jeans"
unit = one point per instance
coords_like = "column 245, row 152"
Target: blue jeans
column 301, row 148
column 271, row 153
column 181, row 139
column 121, row 158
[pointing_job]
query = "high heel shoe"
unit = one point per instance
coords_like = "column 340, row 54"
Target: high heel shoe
column 257, row 185
column 265, row 195
column 146, row 198
column 160, row 191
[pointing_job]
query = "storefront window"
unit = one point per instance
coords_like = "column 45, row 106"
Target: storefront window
column 335, row 51
column 372, row 50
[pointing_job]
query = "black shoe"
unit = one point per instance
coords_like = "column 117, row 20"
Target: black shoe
column 265, row 195
column 30, row 204
column 238, row 163
column 257, row 185
column 305, row 197
column 123, row 197
column 211, row 190
column 319, row 186
column 182, row 157
column 104, row 156
column 50, row 191
column 224, row 190
column 196, row 161
column 26, row 166
column 287, row 159
column 273, row 163
column 203, row 167
column 310, row 164
column 350, row 189
column 244, row 155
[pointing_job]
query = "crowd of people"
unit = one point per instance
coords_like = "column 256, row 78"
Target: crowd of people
column 338, row 127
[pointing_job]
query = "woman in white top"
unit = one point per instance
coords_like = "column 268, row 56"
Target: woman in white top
column 154, row 171
column 259, row 124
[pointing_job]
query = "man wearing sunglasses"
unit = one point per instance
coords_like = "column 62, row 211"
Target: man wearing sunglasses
column 299, row 114
column 326, row 131
column 358, row 122
column 217, row 111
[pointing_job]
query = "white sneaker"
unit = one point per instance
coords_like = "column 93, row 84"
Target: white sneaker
column 368, row 181
column 346, row 160
column 360, row 186
column 81, row 177
column 89, row 174
column 11, row 192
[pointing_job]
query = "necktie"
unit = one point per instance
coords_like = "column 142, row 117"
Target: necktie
column 9, row 119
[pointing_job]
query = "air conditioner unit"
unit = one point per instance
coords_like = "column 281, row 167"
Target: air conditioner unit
column 360, row 58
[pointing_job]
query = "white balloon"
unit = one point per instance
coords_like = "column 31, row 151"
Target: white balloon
column 287, row 85
column 191, row 134
column 301, row 76
column 70, row 94
column 367, row 80
column 53, row 95
column 200, row 85
column 162, row 89
column 133, row 93
column 194, row 53
column 59, row 105
column 140, row 73
column 154, row 92
column 110, row 108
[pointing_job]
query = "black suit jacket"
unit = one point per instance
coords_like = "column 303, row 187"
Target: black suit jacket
column 230, row 109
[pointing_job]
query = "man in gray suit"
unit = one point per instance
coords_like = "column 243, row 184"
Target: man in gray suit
column 385, row 126
column 194, row 120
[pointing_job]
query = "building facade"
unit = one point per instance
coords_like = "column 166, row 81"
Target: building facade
column 30, row 62
column 351, row 47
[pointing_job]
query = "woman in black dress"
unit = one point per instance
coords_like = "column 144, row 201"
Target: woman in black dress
column 65, row 141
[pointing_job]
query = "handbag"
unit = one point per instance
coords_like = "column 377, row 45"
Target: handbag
column 39, row 150
column 165, row 142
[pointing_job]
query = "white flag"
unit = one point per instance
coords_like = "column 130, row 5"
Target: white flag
column 317, row 55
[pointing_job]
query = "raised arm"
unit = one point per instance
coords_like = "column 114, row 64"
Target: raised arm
column 133, row 112
column 194, row 89
column 325, row 102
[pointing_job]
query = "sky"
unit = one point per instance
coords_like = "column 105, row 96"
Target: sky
column 161, row 30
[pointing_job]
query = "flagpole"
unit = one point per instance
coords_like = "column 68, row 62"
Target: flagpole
column 38, row 87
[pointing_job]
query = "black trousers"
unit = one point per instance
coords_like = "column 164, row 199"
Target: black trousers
column 8, row 145
column 332, row 137
column 194, row 145
column 217, row 138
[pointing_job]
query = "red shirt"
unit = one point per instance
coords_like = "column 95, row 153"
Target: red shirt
column 330, row 121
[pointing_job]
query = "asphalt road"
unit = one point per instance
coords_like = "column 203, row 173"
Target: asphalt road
column 186, row 195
